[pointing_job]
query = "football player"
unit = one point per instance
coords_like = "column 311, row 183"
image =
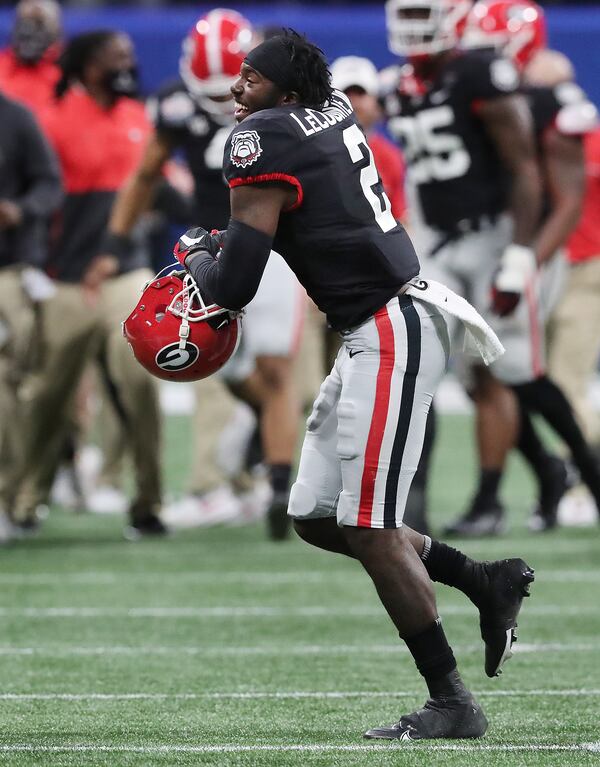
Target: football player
column 303, row 181
column 195, row 114
column 359, row 80
column 562, row 115
column 470, row 153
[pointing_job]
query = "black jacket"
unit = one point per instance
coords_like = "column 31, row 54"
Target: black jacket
column 29, row 177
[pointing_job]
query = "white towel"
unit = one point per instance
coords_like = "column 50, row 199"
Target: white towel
column 480, row 339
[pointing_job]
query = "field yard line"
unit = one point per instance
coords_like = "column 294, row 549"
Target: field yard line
column 261, row 611
column 289, row 695
column 301, row 747
column 270, row 650
column 93, row 577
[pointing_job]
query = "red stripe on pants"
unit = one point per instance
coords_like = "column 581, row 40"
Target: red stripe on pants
column 534, row 327
column 379, row 417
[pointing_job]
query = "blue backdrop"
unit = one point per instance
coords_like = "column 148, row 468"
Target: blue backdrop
column 339, row 31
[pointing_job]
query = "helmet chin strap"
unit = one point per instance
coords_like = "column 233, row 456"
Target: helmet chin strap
column 186, row 297
column 184, row 331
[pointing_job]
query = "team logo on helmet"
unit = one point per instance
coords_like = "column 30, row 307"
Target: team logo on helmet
column 172, row 359
column 245, row 148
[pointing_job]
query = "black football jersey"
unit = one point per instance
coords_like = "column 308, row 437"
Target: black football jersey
column 450, row 158
column 187, row 126
column 339, row 237
column 564, row 106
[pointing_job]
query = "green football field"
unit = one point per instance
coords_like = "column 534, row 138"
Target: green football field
column 217, row 647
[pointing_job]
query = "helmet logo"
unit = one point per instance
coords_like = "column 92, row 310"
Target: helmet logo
column 245, row 148
column 171, row 358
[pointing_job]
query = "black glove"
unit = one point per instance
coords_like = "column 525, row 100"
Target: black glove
column 198, row 240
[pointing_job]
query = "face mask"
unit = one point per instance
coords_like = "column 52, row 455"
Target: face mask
column 30, row 40
column 122, row 82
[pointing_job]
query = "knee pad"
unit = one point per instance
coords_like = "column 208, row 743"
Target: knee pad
column 303, row 501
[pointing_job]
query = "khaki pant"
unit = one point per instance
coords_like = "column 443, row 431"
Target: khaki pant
column 214, row 406
column 72, row 332
column 17, row 357
column 575, row 342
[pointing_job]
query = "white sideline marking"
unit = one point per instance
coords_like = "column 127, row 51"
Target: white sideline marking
column 301, row 577
column 290, row 695
column 314, row 748
column 269, row 650
column 259, row 611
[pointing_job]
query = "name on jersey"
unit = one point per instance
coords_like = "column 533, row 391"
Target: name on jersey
column 312, row 121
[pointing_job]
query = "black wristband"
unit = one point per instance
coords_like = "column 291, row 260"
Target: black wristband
column 118, row 245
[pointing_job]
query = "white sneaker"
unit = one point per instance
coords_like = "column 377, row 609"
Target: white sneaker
column 66, row 490
column 255, row 502
column 74, row 482
column 212, row 508
column 577, row 509
column 7, row 529
column 89, row 464
column 107, row 500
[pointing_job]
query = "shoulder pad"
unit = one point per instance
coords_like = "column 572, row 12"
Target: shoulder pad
column 504, row 74
column 577, row 118
column 569, row 93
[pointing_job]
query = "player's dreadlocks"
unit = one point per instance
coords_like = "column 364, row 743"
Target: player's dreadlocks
column 312, row 75
column 78, row 53
column 294, row 64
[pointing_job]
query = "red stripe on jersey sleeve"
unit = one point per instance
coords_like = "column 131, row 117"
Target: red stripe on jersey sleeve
column 272, row 177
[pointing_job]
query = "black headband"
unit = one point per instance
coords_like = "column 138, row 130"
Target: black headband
column 272, row 60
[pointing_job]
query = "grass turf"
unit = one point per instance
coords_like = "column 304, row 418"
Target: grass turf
column 218, row 647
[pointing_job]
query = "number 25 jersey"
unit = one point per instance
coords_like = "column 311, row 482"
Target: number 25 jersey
column 451, row 161
column 339, row 236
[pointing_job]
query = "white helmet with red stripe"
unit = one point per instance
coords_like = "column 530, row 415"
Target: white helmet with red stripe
column 424, row 27
column 212, row 55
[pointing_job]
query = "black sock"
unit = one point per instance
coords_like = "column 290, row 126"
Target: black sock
column 279, row 477
column 544, row 397
column 434, row 659
column 487, row 492
column 531, row 446
column 445, row 564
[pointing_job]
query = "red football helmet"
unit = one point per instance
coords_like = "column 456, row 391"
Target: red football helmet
column 212, row 55
column 424, row 27
column 175, row 335
column 517, row 28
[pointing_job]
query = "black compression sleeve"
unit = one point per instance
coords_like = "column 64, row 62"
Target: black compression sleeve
column 233, row 278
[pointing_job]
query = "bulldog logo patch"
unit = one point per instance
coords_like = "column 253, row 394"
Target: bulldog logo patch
column 245, row 148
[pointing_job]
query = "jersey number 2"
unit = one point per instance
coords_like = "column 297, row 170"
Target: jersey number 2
column 355, row 140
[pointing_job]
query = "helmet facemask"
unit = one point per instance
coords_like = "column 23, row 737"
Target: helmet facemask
column 424, row 27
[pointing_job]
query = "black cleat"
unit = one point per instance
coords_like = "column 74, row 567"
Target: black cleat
column 509, row 580
column 151, row 527
column 553, row 486
column 453, row 717
column 278, row 521
column 479, row 521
